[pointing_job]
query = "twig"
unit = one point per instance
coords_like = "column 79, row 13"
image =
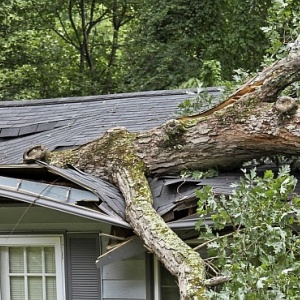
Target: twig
column 214, row 239
column 216, row 280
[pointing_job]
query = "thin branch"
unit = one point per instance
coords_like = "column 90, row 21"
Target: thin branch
column 92, row 23
column 85, row 35
column 230, row 216
column 127, row 20
column 216, row 280
column 210, row 266
column 73, row 23
column 92, row 10
column 65, row 37
column 214, row 239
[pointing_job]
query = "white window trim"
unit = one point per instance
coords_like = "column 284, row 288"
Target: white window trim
column 156, row 271
column 57, row 241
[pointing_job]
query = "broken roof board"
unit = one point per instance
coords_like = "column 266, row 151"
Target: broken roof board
column 61, row 206
column 48, row 191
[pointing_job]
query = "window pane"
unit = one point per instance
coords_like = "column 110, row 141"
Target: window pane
column 169, row 287
column 35, row 288
column 51, row 288
column 30, row 272
column 49, row 259
column 17, row 291
column 34, row 259
column 16, row 260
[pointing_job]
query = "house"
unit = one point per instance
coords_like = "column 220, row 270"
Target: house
column 63, row 233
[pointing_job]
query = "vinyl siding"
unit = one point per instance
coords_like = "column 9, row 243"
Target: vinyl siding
column 125, row 279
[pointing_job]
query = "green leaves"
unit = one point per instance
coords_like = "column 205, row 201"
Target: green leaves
column 62, row 48
column 201, row 101
column 137, row 45
column 177, row 42
column 196, row 174
column 282, row 27
column 260, row 250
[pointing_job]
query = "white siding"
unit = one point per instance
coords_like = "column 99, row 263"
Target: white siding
column 125, row 279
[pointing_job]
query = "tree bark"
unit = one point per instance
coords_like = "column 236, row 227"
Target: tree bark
column 252, row 122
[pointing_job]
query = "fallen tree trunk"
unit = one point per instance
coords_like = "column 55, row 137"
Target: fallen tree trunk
column 252, row 122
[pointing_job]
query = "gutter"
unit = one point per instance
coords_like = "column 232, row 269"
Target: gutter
column 63, row 207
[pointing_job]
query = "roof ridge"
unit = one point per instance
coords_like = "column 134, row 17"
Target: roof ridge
column 65, row 100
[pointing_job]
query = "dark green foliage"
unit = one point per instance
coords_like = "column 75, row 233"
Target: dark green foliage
column 169, row 42
column 61, row 48
column 260, row 251
column 73, row 48
column 172, row 40
column 239, row 42
column 283, row 27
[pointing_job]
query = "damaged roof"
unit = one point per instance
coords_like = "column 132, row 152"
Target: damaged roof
column 70, row 122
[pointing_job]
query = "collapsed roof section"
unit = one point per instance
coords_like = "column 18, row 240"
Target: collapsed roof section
column 66, row 123
column 73, row 191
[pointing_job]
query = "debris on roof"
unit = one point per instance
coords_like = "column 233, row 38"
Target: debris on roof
column 70, row 122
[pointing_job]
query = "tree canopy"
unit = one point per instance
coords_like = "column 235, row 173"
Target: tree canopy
column 73, row 48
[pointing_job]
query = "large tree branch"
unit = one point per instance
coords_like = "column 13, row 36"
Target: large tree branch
column 114, row 156
column 245, row 126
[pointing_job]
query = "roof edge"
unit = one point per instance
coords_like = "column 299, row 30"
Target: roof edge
column 76, row 210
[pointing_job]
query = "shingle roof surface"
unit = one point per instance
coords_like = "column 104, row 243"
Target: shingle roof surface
column 70, row 122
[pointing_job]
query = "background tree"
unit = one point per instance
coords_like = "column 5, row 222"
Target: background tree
column 70, row 48
column 254, row 121
column 171, row 40
column 62, row 48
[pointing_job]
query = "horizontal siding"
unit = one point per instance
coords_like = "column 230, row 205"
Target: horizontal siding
column 128, row 289
column 125, row 279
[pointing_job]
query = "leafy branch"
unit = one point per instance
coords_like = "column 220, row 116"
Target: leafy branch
column 259, row 255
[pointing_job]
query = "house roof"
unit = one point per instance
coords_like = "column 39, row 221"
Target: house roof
column 69, row 122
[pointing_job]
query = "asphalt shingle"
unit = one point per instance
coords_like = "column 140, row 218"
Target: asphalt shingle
column 68, row 122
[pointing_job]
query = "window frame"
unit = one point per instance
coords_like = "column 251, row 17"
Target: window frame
column 56, row 241
column 157, row 279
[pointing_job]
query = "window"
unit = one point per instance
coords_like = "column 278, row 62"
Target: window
column 31, row 268
column 165, row 285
